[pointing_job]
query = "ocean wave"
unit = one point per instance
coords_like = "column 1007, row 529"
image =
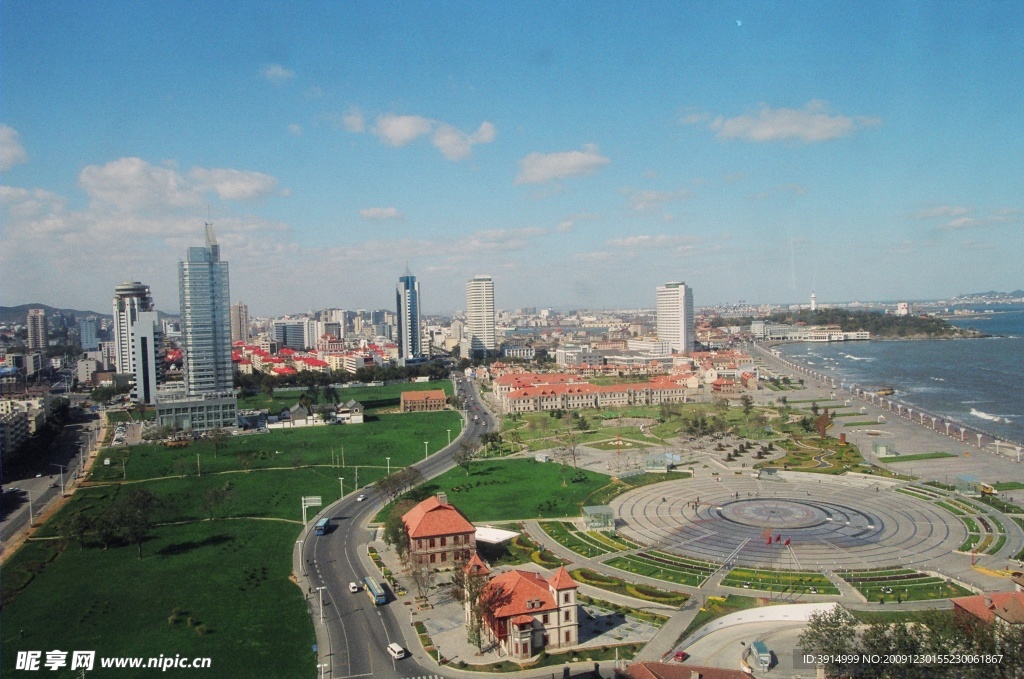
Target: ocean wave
column 857, row 358
column 939, row 379
column 991, row 418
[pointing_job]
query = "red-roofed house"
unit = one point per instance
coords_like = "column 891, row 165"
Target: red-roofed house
column 438, row 533
column 420, row 401
column 532, row 614
column 1002, row 608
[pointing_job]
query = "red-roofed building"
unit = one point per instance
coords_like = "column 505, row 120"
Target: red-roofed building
column 438, row 533
column 420, row 401
column 531, row 614
column 1002, row 608
column 659, row 670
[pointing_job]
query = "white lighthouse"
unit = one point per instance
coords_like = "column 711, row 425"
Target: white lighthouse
column 814, row 302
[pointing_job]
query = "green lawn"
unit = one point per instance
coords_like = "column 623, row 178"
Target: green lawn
column 779, row 581
column 505, row 490
column 229, row 576
column 613, row 584
column 667, row 567
column 903, row 584
column 715, row 607
column 372, row 398
column 912, row 458
column 1008, row 485
column 398, row 436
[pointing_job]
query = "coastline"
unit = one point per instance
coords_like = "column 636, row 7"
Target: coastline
column 943, row 425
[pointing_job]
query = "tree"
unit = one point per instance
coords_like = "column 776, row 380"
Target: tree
column 569, row 451
column 219, row 439
column 814, row 407
column 831, row 633
column 484, row 599
column 108, row 525
column 464, row 455
column 748, row 403
column 331, row 394
column 821, row 423
column 74, row 527
column 137, row 516
column 212, row 499
column 395, row 533
column 423, row 578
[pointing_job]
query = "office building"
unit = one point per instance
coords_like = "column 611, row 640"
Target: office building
column 479, row 333
column 296, row 333
column 208, row 401
column 239, row 323
column 408, row 302
column 147, row 356
column 131, row 298
column 675, row 316
column 38, row 331
column 87, row 334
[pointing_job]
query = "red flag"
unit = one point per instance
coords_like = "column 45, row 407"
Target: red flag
column 786, row 543
column 769, row 540
column 778, row 538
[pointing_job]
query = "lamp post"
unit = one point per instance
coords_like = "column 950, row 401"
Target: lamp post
column 323, row 668
column 449, row 437
column 425, row 449
column 31, row 517
column 302, row 557
column 320, row 590
column 341, row 483
column 54, row 464
column 389, row 465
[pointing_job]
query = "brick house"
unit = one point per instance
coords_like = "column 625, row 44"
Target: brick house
column 438, row 533
column 534, row 615
column 420, row 401
column 1005, row 609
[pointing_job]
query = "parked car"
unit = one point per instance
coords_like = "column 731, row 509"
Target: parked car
column 681, row 656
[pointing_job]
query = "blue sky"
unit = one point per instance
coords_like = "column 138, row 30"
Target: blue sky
column 580, row 153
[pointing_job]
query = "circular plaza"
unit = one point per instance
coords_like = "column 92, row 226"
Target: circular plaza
column 803, row 522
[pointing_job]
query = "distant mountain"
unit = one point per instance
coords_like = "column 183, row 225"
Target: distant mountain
column 992, row 294
column 18, row 314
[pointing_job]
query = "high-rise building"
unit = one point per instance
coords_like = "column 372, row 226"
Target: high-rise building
column 814, row 301
column 131, row 298
column 147, row 356
column 675, row 316
column 87, row 334
column 479, row 333
column 208, row 401
column 408, row 300
column 294, row 333
column 239, row 323
column 38, row 331
column 206, row 319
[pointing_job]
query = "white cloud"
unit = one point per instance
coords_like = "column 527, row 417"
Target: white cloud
column 659, row 241
column 353, row 121
column 11, row 151
column 810, row 124
column 695, row 118
column 400, row 130
column 649, row 199
column 942, row 211
column 565, row 226
column 380, row 213
column 295, row 129
column 133, row 184
column 538, row 168
column 456, row 144
column 231, row 184
column 277, row 73
column 959, row 217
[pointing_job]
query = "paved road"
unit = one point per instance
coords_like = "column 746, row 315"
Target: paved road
column 40, row 479
column 355, row 634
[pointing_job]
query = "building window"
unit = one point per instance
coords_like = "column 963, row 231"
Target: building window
column 432, row 558
column 431, row 542
column 568, row 616
column 568, row 638
column 419, row 544
column 444, row 542
column 565, row 598
column 545, row 620
column 546, row 641
column 444, row 556
column 457, row 540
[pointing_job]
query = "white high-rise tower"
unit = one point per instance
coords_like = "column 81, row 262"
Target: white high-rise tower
column 131, row 298
column 206, row 319
column 675, row 316
column 479, row 334
column 407, row 295
column 814, row 302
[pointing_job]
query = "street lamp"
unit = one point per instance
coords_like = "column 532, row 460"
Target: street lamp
column 389, row 465
column 54, row 464
column 341, row 482
column 323, row 668
column 302, row 557
column 321, row 589
column 449, row 437
column 425, row 449
column 30, row 516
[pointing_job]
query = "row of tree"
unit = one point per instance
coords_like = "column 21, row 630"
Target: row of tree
column 128, row 519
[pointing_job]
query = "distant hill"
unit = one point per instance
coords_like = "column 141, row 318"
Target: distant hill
column 18, row 314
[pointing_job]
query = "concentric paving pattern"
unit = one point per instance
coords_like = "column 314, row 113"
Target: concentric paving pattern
column 829, row 525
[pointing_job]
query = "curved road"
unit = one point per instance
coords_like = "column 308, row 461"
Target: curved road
column 355, row 632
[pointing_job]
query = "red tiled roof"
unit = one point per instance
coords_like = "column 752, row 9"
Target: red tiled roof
column 428, row 395
column 476, row 566
column 522, row 587
column 658, row 670
column 431, row 519
column 562, row 580
column 1009, row 606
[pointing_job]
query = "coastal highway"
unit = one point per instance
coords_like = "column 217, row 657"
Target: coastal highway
column 357, row 630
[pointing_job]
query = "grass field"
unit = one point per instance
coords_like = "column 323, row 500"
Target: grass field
column 372, row 398
column 506, row 490
column 229, row 577
column 398, row 436
column 913, row 458
column 613, row 584
column 715, row 607
column 779, row 581
column 901, row 584
column 663, row 566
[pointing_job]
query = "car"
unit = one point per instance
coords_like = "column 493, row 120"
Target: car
column 360, row 498
column 353, row 587
column 396, row 651
column 681, row 656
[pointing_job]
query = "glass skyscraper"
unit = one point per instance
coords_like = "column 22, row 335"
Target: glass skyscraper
column 408, row 301
column 206, row 319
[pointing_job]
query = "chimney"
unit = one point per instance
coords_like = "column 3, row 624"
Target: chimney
column 694, row 674
column 442, row 498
